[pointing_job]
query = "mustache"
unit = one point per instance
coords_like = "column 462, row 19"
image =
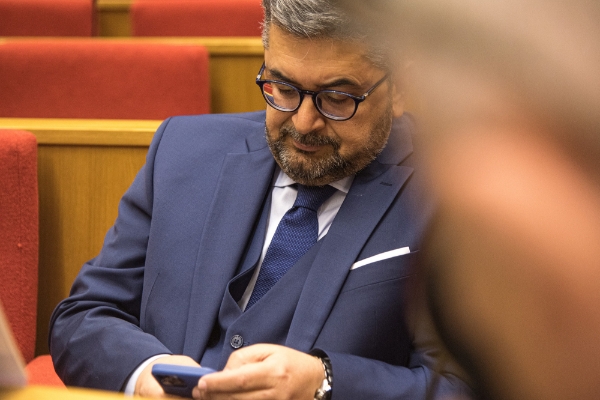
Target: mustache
column 308, row 139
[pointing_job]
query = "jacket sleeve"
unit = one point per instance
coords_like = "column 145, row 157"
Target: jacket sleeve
column 431, row 372
column 98, row 324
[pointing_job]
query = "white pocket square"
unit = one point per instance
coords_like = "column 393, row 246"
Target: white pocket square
column 381, row 256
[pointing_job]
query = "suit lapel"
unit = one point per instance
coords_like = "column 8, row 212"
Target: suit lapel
column 364, row 206
column 243, row 184
column 372, row 192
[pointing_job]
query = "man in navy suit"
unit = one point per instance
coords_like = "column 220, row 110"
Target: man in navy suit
column 178, row 269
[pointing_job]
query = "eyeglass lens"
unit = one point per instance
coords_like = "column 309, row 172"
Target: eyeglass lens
column 287, row 98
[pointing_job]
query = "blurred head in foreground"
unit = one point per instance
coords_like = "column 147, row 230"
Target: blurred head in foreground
column 509, row 104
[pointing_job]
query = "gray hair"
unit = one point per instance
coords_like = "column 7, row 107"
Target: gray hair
column 314, row 19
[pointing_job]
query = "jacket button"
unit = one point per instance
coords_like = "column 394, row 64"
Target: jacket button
column 236, row 341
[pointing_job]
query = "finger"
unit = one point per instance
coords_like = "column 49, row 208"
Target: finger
column 251, row 354
column 203, row 393
column 249, row 377
column 151, row 388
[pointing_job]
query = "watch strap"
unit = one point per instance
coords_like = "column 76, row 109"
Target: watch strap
column 324, row 392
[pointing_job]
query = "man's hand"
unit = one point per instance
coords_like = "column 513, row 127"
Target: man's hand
column 147, row 386
column 264, row 371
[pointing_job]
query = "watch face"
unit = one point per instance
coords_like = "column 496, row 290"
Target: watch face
column 323, row 391
column 320, row 394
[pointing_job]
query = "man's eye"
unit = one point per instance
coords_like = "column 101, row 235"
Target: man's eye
column 284, row 90
column 335, row 98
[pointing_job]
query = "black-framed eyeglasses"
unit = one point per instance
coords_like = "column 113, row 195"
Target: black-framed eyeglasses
column 332, row 104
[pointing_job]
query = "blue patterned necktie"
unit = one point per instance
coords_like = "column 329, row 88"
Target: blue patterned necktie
column 296, row 233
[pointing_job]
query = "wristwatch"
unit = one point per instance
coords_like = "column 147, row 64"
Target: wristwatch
column 324, row 392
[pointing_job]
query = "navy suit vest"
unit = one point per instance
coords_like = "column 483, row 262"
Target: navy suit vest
column 269, row 320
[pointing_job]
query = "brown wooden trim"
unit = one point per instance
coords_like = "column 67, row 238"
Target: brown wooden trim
column 75, row 132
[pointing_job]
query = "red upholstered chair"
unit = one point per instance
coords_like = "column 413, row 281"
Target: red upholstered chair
column 47, row 17
column 40, row 371
column 19, row 247
column 91, row 78
column 196, row 17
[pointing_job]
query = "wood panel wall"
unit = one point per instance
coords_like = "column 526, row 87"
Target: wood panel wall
column 84, row 167
column 113, row 17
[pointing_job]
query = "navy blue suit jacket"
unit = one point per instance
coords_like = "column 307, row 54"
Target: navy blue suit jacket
column 182, row 230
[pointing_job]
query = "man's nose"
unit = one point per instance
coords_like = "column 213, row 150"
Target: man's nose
column 307, row 118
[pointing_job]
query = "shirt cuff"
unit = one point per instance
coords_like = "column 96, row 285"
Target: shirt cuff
column 130, row 387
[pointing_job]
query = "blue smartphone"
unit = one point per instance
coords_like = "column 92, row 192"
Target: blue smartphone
column 179, row 380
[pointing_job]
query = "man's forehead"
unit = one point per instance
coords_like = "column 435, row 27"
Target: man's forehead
column 307, row 49
column 324, row 59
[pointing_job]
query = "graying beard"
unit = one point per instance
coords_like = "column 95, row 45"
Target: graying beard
column 314, row 170
column 336, row 166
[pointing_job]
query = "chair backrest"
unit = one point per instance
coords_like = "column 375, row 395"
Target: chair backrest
column 47, row 18
column 196, row 17
column 95, row 78
column 19, row 235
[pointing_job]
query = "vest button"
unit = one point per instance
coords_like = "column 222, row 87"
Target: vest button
column 236, row 341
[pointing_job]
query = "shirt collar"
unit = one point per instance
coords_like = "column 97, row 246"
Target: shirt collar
column 342, row 185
